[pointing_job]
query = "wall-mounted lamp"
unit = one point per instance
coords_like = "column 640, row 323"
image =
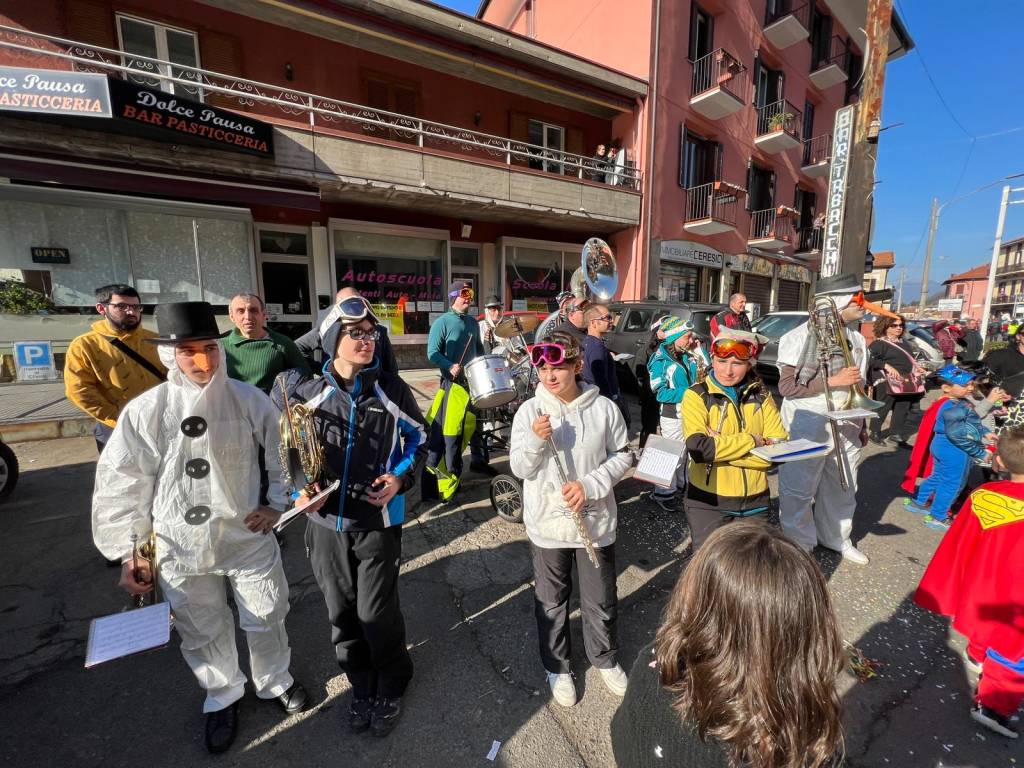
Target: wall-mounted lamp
column 289, row 71
column 477, row 117
column 467, row 230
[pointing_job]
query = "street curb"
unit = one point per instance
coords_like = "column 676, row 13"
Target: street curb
column 49, row 429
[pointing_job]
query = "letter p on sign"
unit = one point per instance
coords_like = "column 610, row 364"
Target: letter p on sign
column 34, row 361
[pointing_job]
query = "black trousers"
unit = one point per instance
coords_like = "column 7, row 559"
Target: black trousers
column 102, row 434
column 900, row 406
column 599, row 605
column 358, row 574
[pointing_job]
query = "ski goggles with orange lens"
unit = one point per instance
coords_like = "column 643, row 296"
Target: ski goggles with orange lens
column 738, row 348
column 550, row 353
column 464, row 293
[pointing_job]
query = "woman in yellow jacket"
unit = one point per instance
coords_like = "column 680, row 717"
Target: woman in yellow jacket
column 724, row 418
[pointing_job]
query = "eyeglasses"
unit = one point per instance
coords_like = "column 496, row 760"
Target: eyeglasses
column 362, row 334
column 741, row 350
column 896, row 325
column 606, row 318
column 122, row 307
column 552, row 354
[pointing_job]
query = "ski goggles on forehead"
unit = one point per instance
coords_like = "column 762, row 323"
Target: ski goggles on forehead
column 741, row 350
column 462, row 293
column 550, row 353
column 353, row 309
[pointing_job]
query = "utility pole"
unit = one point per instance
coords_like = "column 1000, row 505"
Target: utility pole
column 933, row 226
column 857, row 224
column 995, row 256
column 899, row 293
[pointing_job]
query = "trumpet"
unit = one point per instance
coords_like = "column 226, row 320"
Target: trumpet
column 145, row 568
column 830, row 338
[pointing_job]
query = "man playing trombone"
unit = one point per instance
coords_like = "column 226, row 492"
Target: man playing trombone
column 821, row 364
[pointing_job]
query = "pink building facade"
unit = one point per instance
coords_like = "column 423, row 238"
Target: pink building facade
column 970, row 287
column 735, row 136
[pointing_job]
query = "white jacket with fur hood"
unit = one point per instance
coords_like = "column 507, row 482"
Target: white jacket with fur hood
column 592, row 442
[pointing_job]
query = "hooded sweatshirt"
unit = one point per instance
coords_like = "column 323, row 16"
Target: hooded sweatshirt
column 592, row 443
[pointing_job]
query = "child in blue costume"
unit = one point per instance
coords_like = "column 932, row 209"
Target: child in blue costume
column 959, row 437
column 674, row 367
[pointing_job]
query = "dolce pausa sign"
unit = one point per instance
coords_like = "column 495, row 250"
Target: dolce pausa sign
column 53, row 92
column 169, row 116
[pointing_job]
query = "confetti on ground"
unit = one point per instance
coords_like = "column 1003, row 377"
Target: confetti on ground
column 495, row 746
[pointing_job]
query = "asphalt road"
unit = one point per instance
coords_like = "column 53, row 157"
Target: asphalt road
column 467, row 598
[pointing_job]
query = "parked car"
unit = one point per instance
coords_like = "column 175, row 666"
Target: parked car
column 632, row 332
column 775, row 324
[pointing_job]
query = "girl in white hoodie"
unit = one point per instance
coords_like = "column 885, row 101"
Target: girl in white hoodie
column 588, row 433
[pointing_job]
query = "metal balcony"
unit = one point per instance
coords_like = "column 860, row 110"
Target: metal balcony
column 817, row 156
column 788, row 24
column 720, row 85
column 771, row 228
column 710, row 209
column 831, row 68
column 778, row 127
column 808, row 242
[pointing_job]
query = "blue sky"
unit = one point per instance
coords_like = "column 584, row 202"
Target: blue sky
column 972, row 52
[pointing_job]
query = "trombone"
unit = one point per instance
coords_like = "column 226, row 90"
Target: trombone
column 827, row 325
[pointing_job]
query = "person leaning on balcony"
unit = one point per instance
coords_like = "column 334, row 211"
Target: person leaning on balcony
column 734, row 317
column 598, row 163
column 110, row 365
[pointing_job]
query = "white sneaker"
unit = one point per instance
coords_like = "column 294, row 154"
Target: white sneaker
column 562, row 688
column 854, row 555
column 615, row 679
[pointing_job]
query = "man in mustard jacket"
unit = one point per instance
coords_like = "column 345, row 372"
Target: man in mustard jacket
column 110, row 365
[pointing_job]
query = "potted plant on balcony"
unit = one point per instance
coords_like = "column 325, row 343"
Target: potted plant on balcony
column 724, row 190
column 785, row 212
column 779, row 121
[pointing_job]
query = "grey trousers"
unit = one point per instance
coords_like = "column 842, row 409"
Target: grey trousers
column 599, row 604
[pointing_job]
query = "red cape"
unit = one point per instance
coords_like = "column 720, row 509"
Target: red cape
column 921, row 457
column 977, row 573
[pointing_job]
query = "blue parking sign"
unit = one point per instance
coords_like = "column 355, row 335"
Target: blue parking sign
column 34, row 361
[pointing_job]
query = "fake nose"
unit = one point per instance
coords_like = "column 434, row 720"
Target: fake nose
column 878, row 309
column 202, row 361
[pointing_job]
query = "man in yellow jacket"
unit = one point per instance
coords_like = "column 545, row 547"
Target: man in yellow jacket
column 110, row 365
column 724, row 418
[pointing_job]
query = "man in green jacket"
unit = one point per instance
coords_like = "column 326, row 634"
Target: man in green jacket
column 453, row 343
column 255, row 354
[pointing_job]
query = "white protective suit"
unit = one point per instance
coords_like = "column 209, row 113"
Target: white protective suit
column 182, row 462
column 813, row 507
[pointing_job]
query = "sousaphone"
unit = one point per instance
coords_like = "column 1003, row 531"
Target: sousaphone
column 597, row 278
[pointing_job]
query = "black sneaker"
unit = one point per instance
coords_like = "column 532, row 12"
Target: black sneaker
column 385, row 715
column 877, row 439
column 294, row 699
column 221, row 728
column 993, row 721
column 359, row 715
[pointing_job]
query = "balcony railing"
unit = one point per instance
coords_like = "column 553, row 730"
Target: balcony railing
column 1009, row 269
column 808, row 239
column 254, row 97
column 771, row 225
column 779, row 116
column 720, row 69
column 838, row 53
column 716, row 201
column 817, row 150
column 783, row 8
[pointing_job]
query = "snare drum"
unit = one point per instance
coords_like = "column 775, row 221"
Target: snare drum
column 491, row 383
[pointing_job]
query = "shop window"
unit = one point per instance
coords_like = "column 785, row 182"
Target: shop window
column 281, row 243
column 465, row 256
column 534, row 277
column 400, row 276
column 552, row 139
column 224, row 259
column 678, row 282
column 157, row 41
column 93, row 237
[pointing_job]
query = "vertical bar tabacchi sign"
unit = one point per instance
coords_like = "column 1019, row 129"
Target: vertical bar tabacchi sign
column 842, row 142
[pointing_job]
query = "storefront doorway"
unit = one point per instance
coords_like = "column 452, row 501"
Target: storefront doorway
column 286, row 277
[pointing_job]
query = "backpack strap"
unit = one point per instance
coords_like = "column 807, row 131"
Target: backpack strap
column 130, row 353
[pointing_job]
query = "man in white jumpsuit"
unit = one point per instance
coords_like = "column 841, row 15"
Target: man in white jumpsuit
column 182, row 463
column 814, row 506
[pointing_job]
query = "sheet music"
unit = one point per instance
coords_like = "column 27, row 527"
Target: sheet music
column 659, row 461
column 791, row 450
column 122, row 634
column 852, row 414
column 294, row 512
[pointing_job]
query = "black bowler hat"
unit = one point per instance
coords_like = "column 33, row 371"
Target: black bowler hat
column 492, row 301
column 185, row 321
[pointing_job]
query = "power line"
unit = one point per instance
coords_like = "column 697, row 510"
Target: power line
column 935, row 87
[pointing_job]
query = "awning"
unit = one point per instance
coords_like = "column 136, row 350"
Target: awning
column 142, row 181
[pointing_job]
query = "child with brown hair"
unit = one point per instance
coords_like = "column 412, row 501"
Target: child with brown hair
column 975, row 577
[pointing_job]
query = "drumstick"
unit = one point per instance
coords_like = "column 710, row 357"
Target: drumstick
column 462, row 357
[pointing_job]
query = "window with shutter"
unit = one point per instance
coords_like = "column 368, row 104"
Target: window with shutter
column 400, row 97
column 178, row 47
column 90, row 22
column 222, row 54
